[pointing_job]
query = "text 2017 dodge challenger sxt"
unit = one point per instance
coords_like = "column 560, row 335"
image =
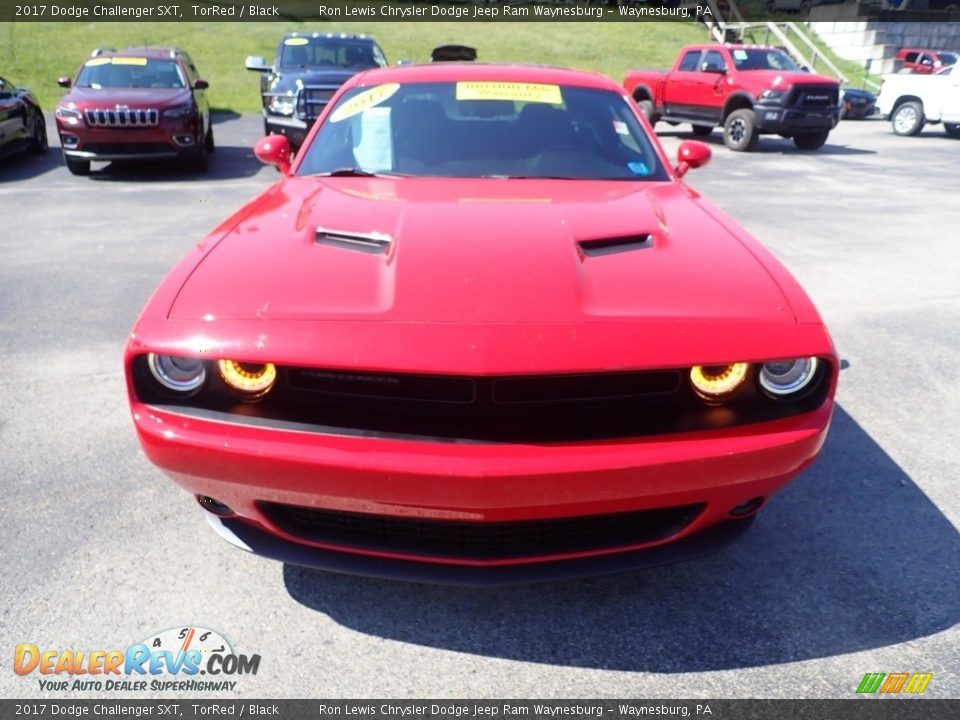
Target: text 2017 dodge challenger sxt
column 480, row 331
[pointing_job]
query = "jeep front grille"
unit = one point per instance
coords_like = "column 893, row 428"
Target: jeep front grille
column 122, row 117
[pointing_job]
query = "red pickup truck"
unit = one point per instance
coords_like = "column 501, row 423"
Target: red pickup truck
column 747, row 89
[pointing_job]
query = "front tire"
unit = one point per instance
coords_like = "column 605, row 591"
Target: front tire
column 78, row 167
column 39, row 144
column 810, row 141
column 952, row 129
column 740, row 130
column 908, row 119
column 648, row 110
column 208, row 142
column 702, row 130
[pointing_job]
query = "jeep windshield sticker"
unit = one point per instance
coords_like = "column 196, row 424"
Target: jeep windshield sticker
column 367, row 99
column 517, row 92
column 97, row 61
column 739, row 54
column 128, row 61
column 296, row 41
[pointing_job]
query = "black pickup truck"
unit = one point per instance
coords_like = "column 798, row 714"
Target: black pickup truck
column 306, row 72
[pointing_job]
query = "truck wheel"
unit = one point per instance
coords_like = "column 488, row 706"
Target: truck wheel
column 810, row 141
column 740, row 130
column 953, row 129
column 908, row 119
column 78, row 167
column 647, row 108
column 702, row 130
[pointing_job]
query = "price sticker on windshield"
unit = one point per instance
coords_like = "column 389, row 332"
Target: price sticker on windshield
column 516, row 92
column 365, row 100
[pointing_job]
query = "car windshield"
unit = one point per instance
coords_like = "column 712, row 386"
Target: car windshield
column 325, row 52
column 130, row 72
column 483, row 129
column 763, row 59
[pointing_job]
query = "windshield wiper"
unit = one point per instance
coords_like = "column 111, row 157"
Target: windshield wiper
column 356, row 172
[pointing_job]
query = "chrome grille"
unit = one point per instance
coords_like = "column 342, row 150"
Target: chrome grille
column 311, row 100
column 122, row 117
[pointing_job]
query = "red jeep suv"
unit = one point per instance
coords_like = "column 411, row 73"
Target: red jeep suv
column 136, row 104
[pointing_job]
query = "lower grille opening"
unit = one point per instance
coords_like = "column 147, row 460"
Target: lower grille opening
column 480, row 540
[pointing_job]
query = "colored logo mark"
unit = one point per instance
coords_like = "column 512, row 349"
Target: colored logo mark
column 893, row 683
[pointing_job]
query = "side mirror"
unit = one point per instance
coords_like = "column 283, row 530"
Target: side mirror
column 692, row 154
column 257, row 64
column 274, row 150
column 201, row 85
column 709, row 67
column 64, row 82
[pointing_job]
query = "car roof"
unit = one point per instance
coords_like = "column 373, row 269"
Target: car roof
column 487, row 72
column 153, row 53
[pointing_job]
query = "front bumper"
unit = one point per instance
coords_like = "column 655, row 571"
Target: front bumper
column 244, row 467
column 168, row 140
column 788, row 121
column 294, row 129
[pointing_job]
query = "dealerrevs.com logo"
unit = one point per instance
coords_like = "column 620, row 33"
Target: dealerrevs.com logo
column 187, row 659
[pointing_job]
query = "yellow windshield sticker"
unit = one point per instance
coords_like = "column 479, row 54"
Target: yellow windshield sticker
column 97, row 61
column 295, row 41
column 517, row 92
column 128, row 61
column 365, row 100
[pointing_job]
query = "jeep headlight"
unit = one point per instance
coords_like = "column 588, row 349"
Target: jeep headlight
column 69, row 115
column 178, row 113
column 282, row 104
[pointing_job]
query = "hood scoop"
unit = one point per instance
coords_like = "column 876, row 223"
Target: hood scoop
column 615, row 245
column 373, row 243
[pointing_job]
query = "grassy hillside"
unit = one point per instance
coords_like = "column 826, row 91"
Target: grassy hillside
column 36, row 54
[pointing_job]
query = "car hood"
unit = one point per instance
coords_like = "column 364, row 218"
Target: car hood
column 479, row 251
column 775, row 78
column 291, row 80
column 133, row 97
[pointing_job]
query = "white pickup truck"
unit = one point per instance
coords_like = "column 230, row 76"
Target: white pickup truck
column 910, row 101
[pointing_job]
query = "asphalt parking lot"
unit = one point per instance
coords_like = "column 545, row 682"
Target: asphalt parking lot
column 853, row 569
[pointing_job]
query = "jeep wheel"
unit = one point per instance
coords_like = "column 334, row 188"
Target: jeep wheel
column 908, row 119
column 740, row 130
column 952, row 129
column 78, row 167
column 810, row 141
column 39, row 143
column 208, row 141
column 702, row 130
column 647, row 108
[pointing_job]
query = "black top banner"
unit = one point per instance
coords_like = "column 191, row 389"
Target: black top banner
column 860, row 709
column 707, row 11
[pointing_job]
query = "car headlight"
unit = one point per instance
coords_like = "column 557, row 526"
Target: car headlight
column 69, row 115
column 716, row 382
column 253, row 380
column 772, row 95
column 178, row 113
column 787, row 378
column 183, row 375
column 282, row 104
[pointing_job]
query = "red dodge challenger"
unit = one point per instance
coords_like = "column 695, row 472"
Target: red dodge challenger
column 480, row 332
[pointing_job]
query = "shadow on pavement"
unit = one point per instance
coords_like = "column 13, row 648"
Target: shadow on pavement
column 768, row 144
column 26, row 165
column 227, row 163
column 851, row 556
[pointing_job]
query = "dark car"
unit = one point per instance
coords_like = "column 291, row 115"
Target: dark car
column 307, row 70
column 857, row 104
column 22, row 126
column 135, row 104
